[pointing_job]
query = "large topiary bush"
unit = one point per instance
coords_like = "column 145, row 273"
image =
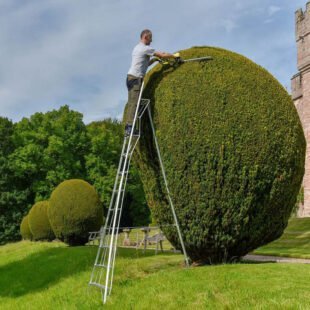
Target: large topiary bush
column 233, row 148
column 74, row 211
column 25, row 230
column 38, row 222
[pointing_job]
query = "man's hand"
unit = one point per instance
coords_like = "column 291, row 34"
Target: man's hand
column 178, row 58
column 163, row 58
column 154, row 59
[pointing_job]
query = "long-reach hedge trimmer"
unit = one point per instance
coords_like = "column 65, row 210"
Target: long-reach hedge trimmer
column 177, row 60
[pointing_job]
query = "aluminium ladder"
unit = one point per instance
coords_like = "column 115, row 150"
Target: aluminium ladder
column 103, row 269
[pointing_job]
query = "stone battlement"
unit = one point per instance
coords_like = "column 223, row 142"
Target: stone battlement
column 300, row 13
column 302, row 22
column 302, row 33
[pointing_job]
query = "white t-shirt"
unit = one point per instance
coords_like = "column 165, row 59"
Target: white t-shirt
column 141, row 55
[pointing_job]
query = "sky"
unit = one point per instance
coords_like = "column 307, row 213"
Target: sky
column 78, row 52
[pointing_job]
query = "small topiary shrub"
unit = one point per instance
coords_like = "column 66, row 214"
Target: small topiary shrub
column 74, row 211
column 233, row 148
column 38, row 222
column 25, row 230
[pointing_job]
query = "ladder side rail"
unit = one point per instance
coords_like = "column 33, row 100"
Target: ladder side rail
column 105, row 249
column 118, row 226
column 167, row 189
column 116, row 180
column 125, row 183
column 139, row 126
column 104, row 233
column 118, row 196
column 114, row 187
column 135, row 119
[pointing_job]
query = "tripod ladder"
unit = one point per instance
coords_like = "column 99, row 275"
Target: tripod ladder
column 103, row 269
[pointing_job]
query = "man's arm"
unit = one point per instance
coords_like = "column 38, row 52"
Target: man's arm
column 163, row 55
column 160, row 55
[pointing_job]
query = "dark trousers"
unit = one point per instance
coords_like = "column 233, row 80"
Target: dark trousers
column 134, row 86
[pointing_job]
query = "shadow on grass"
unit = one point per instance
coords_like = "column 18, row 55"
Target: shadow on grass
column 41, row 270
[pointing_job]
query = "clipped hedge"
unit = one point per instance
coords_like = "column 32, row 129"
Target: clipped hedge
column 25, row 230
column 38, row 222
column 233, row 148
column 74, row 211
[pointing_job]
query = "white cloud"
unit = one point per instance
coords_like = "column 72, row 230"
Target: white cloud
column 273, row 9
column 229, row 25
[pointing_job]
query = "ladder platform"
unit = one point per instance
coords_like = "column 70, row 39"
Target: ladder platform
column 144, row 101
column 98, row 285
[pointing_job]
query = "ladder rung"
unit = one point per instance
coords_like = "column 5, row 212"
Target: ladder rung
column 120, row 173
column 102, row 265
column 104, row 246
column 98, row 285
column 121, row 190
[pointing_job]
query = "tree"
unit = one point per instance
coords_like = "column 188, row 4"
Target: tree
column 13, row 195
column 49, row 148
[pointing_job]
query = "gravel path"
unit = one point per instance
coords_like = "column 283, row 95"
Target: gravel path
column 276, row 259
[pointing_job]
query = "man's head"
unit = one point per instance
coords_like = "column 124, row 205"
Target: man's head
column 146, row 36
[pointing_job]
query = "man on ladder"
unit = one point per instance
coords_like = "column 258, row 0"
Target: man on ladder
column 141, row 59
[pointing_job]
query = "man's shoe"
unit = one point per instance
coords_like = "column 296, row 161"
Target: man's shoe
column 128, row 129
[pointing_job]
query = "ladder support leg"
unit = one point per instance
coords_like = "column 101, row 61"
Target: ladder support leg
column 167, row 189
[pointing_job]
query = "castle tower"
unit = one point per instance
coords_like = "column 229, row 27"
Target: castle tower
column 301, row 93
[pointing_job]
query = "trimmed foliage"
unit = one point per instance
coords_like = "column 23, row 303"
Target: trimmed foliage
column 233, row 148
column 74, row 211
column 25, row 230
column 38, row 222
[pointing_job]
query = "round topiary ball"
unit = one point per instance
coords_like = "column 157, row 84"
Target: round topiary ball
column 38, row 222
column 25, row 230
column 233, row 149
column 74, row 211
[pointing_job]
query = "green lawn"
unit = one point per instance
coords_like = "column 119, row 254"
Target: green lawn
column 295, row 242
column 53, row 276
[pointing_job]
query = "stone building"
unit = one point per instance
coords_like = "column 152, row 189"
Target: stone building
column 301, row 93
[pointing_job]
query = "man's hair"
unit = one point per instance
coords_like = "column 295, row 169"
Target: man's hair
column 145, row 32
